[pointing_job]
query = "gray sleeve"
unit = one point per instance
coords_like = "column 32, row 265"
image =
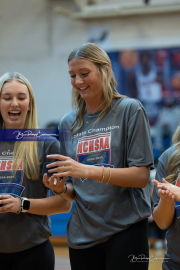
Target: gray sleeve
column 139, row 144
column 161, row 172
column 52, row 148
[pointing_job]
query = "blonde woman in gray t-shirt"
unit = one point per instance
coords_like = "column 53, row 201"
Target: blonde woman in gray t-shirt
column 24, row 200
column 106, row 162
column 166, row 201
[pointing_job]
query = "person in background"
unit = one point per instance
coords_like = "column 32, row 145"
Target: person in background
column 107, row 164
column 24, row 200
column 165, row 127
column 149, row 86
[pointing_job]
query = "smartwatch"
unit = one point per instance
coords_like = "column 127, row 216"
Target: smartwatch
column 25, row 204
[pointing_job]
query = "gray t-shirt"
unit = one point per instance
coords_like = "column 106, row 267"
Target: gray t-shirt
column 120, row 140
column 22, row 231
column 172, row 256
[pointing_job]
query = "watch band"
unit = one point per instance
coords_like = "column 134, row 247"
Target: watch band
column 19, row 211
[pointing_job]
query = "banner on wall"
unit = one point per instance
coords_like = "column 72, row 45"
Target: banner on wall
column 152, row 76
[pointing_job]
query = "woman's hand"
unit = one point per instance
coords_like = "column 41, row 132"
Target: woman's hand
column 175, row 190
column 166, row 195
column 163, row 213
column 54, row 183
column 66, row 166
column 10, row 204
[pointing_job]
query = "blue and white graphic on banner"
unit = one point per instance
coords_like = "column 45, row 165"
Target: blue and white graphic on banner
column 95, row 150
column 10, row 183
column 34, row 135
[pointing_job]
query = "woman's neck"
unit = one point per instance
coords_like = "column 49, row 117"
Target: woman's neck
column 94, row 106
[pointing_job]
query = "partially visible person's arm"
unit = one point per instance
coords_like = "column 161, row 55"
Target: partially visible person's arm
column 46, row 206
column 49, row 206
column 163, row 213
column 136, row 177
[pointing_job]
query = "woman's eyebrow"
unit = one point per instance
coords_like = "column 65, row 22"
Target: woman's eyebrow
column 9, row 94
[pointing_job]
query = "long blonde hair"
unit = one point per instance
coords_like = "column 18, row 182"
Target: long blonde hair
column 95, row 54
column 24, row 151
column 174, row 160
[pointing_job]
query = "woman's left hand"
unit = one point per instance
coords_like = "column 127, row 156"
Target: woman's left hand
column 166, row 195
column 10, row 204
column 54, row 183
column 66, row 166
column 175, row 190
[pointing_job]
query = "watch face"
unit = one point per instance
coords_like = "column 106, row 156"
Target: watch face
column 26, row 204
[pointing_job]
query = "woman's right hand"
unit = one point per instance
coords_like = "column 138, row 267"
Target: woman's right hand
column 9, row 204
column 67, row 166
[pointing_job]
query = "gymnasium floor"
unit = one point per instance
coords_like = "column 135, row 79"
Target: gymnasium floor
column 62, row 260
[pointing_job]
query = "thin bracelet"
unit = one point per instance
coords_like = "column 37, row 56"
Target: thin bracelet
column 19, row 211
column 102, row 175
column 55, row 193
column 109, row 175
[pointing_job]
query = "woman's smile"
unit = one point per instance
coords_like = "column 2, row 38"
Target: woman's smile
column 14, row 104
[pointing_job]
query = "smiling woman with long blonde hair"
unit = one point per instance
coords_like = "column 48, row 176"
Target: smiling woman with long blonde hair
column 107, row 165
column 22, row 150
column 24, row 200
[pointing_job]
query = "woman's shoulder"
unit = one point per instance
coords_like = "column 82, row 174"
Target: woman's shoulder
column 167, row 154
column 48, row 141
column 126, row 103
column 68, row 119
